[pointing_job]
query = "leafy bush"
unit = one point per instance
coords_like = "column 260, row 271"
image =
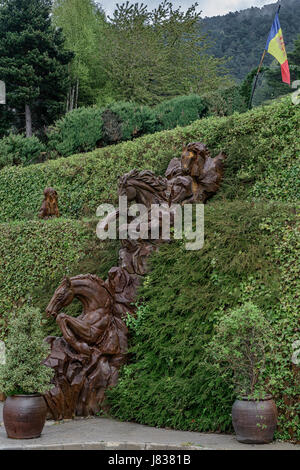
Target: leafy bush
column 242, row 341
column 225, row 102
column 125, row 121
column 78, row 131
column 252, row 141
column 249, row 256
column 20, row 150
column 180, row 111
column 24, row 372
column 84, row 129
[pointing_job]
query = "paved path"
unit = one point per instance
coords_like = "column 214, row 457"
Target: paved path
column 109, row 434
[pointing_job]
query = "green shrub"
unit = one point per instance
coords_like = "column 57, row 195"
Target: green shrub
column 252, row 141
column 78, row 131
column 249, row 256
column 225, row 102
column 23, row 372
column 180, row 111
column 125, row 121
column 20, row 150
column 242, row 341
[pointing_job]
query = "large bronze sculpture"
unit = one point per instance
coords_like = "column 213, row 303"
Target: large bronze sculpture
column 87, row 358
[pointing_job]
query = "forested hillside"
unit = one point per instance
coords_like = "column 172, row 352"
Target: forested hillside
column 242, row 35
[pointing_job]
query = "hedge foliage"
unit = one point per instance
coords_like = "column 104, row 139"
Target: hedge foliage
column 250, row 254
column 180, row 111
column 20, row 150
column 77, row 131
column 35, row 255
column 260, row 145
column 85, row 129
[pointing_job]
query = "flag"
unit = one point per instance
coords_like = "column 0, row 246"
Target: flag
column 276, row 47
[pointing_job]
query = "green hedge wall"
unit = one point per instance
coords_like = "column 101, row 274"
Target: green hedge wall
column 250, row 254
column 35, row 255
column 256, row 143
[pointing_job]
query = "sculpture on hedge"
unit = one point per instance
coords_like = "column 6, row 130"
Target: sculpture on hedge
column 50, row 204
column 93, row 347
column 87, row 359
column 206, row 172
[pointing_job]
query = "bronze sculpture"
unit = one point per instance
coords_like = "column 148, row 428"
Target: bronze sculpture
column 91, row 351
column 50, row 204
column 206, row 172
column 87, row 359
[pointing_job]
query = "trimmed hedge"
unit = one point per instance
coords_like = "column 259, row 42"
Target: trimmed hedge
column 250, row 254
column 264, row 138
column 35, row 255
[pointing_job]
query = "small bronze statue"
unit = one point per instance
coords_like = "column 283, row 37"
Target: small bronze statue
column 50, row 204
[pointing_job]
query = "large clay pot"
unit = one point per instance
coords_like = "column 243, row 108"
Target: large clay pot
column 254, row 421
column 24, row 416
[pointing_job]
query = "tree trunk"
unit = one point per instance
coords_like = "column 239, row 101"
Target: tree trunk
column 28, row 121
column 77, row 91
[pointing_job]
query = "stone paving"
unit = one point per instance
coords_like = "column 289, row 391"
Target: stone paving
column 109, row 434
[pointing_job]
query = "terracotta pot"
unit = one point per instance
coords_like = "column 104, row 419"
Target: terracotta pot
column 254, row 421
column 24, row 416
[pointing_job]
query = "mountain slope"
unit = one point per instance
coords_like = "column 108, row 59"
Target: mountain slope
column 242, row 35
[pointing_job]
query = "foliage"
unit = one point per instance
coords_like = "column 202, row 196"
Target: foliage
column 33, row 60
column 78, row 131
column 36, row 255
column 180, row 111
column 85, row 128
column 252, row 141
column 124, row 121
column 81, row 22
column 19, row 150
column 149, row 56
column 242, row 35
column 249, row 256
column 241, row 342
column 225, row 101
column 24, row 372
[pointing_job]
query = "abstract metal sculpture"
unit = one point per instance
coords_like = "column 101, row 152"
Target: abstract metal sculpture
column 50, row 204
column 87, row 359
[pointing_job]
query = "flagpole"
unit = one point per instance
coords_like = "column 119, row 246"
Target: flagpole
column 258, row 71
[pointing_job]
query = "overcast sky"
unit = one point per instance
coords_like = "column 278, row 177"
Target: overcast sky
column 208, row 7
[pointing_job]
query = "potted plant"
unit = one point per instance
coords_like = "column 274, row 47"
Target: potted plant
column 242, row 342
column 23, row 377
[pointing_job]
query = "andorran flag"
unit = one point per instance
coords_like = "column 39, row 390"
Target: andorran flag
column 276, row 47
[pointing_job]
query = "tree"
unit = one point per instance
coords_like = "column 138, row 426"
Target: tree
column 149, row 56
column 82, row 22
column 33, row 62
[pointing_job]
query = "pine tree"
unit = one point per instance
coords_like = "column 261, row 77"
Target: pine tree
column 33, row 62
